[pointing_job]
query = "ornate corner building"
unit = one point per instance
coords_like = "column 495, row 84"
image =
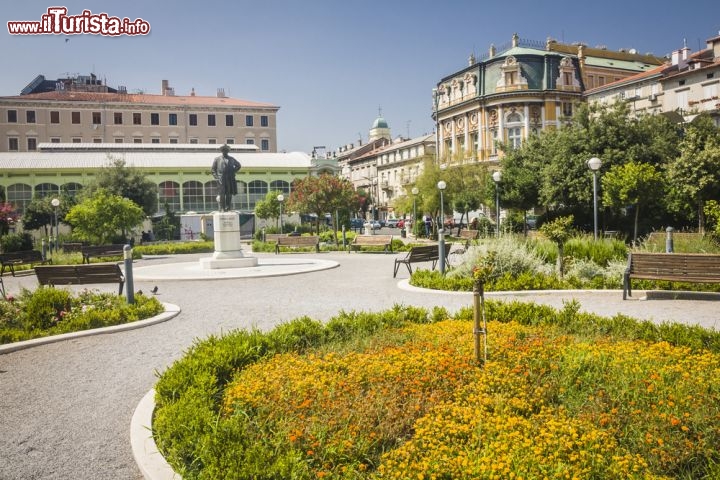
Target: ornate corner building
column 520, row 89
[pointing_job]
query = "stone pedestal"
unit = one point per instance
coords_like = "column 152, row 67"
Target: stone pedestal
column 228, row 252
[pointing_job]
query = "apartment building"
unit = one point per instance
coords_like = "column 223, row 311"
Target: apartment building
column 82, row 109
column 520, row 89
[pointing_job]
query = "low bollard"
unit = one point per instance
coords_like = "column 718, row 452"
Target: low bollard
column 669, row 240
column 479, row 322
column 129, row 285
column 441, row 250
column 44, row 250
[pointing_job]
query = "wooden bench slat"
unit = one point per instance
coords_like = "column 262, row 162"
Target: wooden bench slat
column 371, row 241
column 674, row 267
column 24, row 257
column 297, row 241
column 80, row 274
column 418, row 254
column 113, row 250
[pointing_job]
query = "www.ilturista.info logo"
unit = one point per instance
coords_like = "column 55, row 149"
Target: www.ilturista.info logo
column 57, row 22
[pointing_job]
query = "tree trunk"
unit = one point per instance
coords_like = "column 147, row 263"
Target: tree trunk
column 637, row 216
column 701, row 217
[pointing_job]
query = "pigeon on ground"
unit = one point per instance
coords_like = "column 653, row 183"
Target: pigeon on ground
column 154, row 290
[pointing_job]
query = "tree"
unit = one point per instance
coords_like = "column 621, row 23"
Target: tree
column 694, row 176
column 559, row 231
column 128, row 182
column 8, row 216
column 633, row 184
column 269, row 207
column 520, row 186
column 323, row 194
column 41, row 214
column 103, row 215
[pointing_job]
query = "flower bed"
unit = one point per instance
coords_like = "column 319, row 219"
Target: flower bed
column 396, row 395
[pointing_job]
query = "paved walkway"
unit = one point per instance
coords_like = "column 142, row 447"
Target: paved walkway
column 65, row 408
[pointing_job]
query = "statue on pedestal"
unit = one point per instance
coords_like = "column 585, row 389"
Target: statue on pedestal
column 224, row 169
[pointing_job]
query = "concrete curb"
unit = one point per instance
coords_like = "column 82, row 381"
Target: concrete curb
column 170, row 312
column 149, row 460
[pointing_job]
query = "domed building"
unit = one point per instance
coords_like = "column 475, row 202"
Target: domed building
column 520, row 89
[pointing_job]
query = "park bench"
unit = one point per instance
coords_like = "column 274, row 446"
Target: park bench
column 297, row 242
column 674, row 267
column 25, row 257
column 90, row 251
column 272, row 237
column 469, row 237
column 419, row 254
column 80, row 274
column 72, row 247
column 384, row 241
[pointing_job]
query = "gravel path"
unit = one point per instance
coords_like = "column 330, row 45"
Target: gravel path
column 65, row 408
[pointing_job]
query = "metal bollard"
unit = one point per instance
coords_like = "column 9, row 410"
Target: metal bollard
column 669, row 239
column 129, row 286
column 441, row 250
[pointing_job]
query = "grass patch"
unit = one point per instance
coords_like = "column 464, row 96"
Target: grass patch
column 396, row 395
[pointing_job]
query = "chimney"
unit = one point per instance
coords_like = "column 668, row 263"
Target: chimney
column 221, row 93
column 164, row 87
column 192, row 92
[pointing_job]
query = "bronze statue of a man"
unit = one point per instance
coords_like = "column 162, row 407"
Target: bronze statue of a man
column 224, row 169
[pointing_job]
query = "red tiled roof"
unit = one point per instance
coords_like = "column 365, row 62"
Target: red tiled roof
column 139, row 98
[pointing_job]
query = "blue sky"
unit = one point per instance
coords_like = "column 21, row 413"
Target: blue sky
column 330, row 64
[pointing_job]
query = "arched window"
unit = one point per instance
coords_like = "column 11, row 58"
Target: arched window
column 71, row 189
column 19, row 195
column 514, row 128
column 211, row 192
column 192, row 196
column 43, row 190
column 240, row 201
column 280, row 186
column 257, row 189
column 169, row 193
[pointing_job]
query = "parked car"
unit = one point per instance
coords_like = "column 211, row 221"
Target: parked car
column 392, row 222
column 356, row 223
column 374, row 224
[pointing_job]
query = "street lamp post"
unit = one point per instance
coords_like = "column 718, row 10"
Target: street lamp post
column 441, row 185
column 281, row 199
column 594, row 164
column 415, row 191
column 56, row 203
column 497, row 176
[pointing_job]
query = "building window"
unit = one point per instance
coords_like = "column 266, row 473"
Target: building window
column 229, row 121
column 30, row 116
column 173, row 140
column 711, row 75
column 257, row 189
column 97, row 140
column 118, row 140
column 13, row 144
column 96, row 118
column 137, row 118
column 55, row 117
column 192, row 196
column 212, row 141
column 567, row 109
column 248, row 120
column 169, row 194
column 55, row 140
column 264, row 121
column 155, row 140
column 249, row 141
column 12, row 116
column 193, row 141
column 172, row 119
column 117, row 118
column 75, row 118
column 77, row 140
column 265, row 144
column 193, row 120
column 681, row 83
column 211, row 120
column 154, row 119
column 137, row 140
column 229, row 141
column 515, row 136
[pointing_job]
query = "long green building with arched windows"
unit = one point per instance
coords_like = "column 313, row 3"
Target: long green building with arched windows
column 181, row 172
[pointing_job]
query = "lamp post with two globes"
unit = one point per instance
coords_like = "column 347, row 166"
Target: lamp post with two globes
column 497, row 176
column 441, row 185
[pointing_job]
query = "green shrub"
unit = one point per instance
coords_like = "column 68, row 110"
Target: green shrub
column 172, row 248
column 50, row 311
column 601, row 251
column 16, row 242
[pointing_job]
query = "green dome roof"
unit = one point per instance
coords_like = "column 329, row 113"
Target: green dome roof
column 380, row 123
